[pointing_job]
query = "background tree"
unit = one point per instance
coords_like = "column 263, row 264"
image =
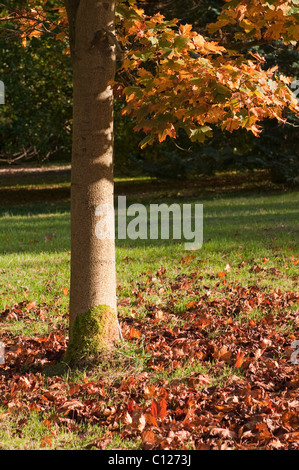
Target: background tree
column 22, row 120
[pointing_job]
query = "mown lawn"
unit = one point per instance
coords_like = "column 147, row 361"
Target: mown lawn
column 206, row 360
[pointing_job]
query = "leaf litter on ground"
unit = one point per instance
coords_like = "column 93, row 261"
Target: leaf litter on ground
column 217, row 374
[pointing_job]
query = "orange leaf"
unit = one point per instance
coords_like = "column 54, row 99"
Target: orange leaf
column 60, row 36
column 65, row 291
column 148, row 438
column 46, row 441
column 134, row 333
column 222, row 274
column 149, row 391
column 150, row 419
column 154, row 409
column 31, row 305
column 159, row 409
column 131, row 406
column 185, row 28
column 162, row 408
column 240, row 358
column 190, row 305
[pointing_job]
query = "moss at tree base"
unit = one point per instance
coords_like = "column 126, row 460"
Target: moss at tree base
column 91, row 334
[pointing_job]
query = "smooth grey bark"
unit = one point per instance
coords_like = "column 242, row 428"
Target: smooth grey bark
column 93, row 276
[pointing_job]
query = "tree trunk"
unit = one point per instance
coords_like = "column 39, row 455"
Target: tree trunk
column 93, row 284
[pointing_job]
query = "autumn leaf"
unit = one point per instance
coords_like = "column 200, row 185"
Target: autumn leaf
column 30, row 306
column 131, row 406
column 239, row 360
column 46, row 441
column 154, row 409
column 148, row 439
column 159, row 409
column 149, row 391
column 222, row 274
column 124, row 301
column 162, row 408
column 151, row 420
column 222, row 354
column 134, row 333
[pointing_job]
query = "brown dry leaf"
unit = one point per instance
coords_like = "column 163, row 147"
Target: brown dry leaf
column 187, row 259
column 264, row 432
column 290, row 418
column 159, row 314
column 190, row 304
column 149, row 391
column 258, row 354
column 203, row 379
column 99, row 443
column 265, row 343
column 138, row 420
column 70, row 405
column 74, row 388
column 30, row 306
column 154, row 409
column 128, row 419
column 24, row 384
column 222, row 354
column 46, row 441
column 151, row 420
column 110, row 410
column 134, row 333
column 124, row 302
column 240, row 359
column 224, row 433
column 148, row 439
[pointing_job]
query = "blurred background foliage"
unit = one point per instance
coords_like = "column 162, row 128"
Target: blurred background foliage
column 36, row 120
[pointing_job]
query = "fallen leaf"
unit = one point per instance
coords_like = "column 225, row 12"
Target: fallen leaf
column 46, row 441
column 222, row 432
column 30, row 306
column 134, row 333
column 240, row 358
column 148, row 439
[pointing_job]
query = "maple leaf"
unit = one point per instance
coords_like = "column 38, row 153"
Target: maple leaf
column 46, row 441
column 30, row 306
column 240, row 359
column 134, row 333
column 148, row 439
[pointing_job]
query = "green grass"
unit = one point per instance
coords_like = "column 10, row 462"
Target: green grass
column 256, row 230
column 36, row 431
column 252, row 237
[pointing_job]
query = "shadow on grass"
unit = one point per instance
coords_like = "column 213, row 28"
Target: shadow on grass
column 38, row 190
column 254, row 218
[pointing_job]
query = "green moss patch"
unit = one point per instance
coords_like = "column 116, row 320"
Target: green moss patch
column 92, row 333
